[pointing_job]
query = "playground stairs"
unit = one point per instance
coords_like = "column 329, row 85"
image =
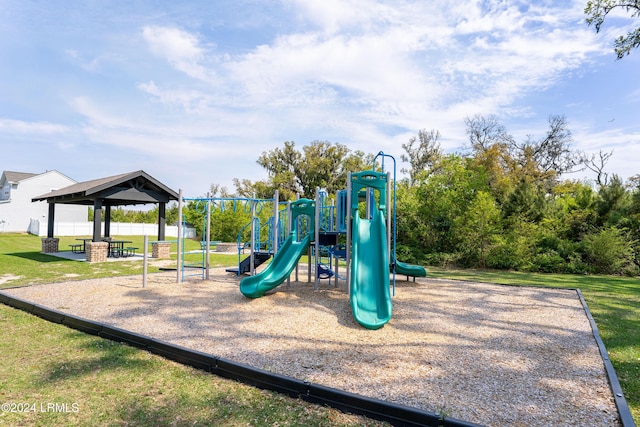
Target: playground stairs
column 245, row 265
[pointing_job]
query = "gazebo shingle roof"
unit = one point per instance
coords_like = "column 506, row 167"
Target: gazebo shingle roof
column 123, row 189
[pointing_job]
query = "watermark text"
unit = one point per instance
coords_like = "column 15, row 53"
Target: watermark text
column 23, row 407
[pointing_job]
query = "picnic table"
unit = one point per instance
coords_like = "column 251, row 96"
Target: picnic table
column 80, row 248
column 117, row 248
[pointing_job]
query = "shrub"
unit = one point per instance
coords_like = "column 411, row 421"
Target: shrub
column 408, row 254
column 549, row 262
column 441, row 259
column 503, row 257
column 608, row 251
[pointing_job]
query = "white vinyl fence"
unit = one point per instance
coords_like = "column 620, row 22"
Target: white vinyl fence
column 117, row 229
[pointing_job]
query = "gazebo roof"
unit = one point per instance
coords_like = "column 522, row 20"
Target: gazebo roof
column 125, row 189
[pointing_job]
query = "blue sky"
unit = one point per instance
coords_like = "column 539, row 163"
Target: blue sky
column 193, row 92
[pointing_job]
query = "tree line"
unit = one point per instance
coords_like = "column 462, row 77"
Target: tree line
column 506, row 204
column 503, row 203
column 118, row 214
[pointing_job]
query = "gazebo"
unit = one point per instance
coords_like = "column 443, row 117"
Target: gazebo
column 119, row 190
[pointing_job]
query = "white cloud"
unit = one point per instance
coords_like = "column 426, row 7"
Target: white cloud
column 12, row 126
column 171, row 137
column 634, row 96
column 332, row 16
column 235, row 82
column 180, row 48
column 379, row 62
column 189, row 100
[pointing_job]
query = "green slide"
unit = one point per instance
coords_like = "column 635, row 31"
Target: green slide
column 369, row 286
column 410, row 269
column 278, row 270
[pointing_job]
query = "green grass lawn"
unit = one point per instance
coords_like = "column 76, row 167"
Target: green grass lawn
column 21, row 257
column 118, row 385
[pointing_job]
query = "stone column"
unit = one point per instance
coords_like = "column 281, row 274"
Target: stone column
column 50, row 245
column 97, row 251
column 161, row 250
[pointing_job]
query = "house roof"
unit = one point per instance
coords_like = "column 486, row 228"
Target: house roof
column 125, row 189
column 13, row 177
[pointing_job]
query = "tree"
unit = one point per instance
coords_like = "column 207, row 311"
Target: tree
column 507, row 161
column 597, row 11
column 319, row 164
column 526, row 202
column 261, row 189
column 422, row 157
column 217, row 190
column 572, row 210
column 227, row 223
column 597, row 165
column 613, row 202
column 490, row 144
column 485, row 132
column 411, row 226
column 551, row 156
column 282, row 168
column 443, row 199
column 480, row 227
column 608, row 250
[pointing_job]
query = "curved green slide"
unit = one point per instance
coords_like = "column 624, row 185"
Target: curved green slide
column 278, row 270
column 410, row 269
column 369, row 285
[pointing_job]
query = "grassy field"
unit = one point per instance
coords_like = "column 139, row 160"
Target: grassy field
column 20, row 256
column 118, row 385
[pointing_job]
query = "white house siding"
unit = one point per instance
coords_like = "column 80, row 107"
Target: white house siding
column 17, row 212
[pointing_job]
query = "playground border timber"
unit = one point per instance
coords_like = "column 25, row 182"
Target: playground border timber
column 395, row 414
column 621, row 403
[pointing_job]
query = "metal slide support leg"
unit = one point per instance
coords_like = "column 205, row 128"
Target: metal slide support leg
column 348, row 249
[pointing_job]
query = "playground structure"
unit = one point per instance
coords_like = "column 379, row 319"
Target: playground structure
column 261, row 249
column 361, row 216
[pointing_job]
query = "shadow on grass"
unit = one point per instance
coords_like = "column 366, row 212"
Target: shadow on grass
column 38, row 256
column 154, row 410
column 220, row 406
column 94, row 355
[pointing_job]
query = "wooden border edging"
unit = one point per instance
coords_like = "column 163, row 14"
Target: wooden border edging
column 621, row 403
column 397, row 415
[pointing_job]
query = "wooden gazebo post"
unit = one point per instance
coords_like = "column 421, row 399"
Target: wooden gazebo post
column 162, row 220
column 107, row 220
column 50, row 244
